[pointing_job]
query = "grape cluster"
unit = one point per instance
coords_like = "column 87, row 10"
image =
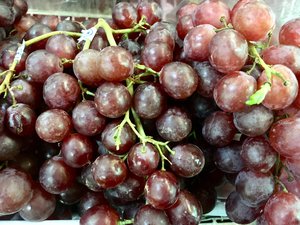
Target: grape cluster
column 142, row 120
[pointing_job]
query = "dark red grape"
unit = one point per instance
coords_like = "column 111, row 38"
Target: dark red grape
column 174, row 124
column 99, row 43
column 53, row 125
column 15, row 189
column 186, row 210
column 50, row 21
column 188, row 160
column 109, row 171
column 151, row 10
column 112, row 99
column 86, row 119
column 218, row 129
column 149, row 215
column 7, row 17
column 22, row 5
column 102, row 214
column 36, row 30
column 184, row 25
column 187, row 9
column 124, row 15
column 90, row 199
column 87, row 178
column 232, row 44
column 73, row 194
column 8, row 56
column 25, row 23
column 143, row 160
column 40, row 207
column 161, row 190
column 161, row 35
column 282, row 209
column 68, row 25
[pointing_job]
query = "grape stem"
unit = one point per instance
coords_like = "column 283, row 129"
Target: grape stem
column 124, row 222
column 278, row 167
column 261, row 93
column 146, row 69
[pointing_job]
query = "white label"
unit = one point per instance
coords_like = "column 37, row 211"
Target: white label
column 87, row 34
column 20, row 51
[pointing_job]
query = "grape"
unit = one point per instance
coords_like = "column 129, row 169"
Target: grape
column 109, row 171
column 255, row 188
column 238, row 212
column 254, row 20
column 184, row 25
column 282, row 208
column 290, row 181
column 53, row 125
column 142, row 160
column 6, row 16
column 25, row 23
column 115, row 64
column 86, row 178
column 86, row 69
column 210, row 12
column 90, row 199
column 149, row 100
column 57, row 91
column 25, row 92
column 56, row 176
column 151, row 10
column 22, row 6
column 283, row 137
column 127, row 138
column 102, row 214
column 41, row 64
column 8, row 56
column 62, row 46
column 112, row 99
column 171, row 27
column 286, row 55
column 186, row 210
column 36, row 30
column 73, row 194
column 86, row 119
column 196, row 42
column 254, row 120
column 280, row 96
column 131, row 46
column 218, row 129
column 186, row 10
column 161, row 35
column 156, row 54
column 161, row 190
column 149, row 215
column 289, row 33
column 179, row 80
column 293, row 165
column 228, row 159
column 233, row 90
column 20, row 119
column 68, row 25
column 130, row 190
column 15, row 189
column 208, row 78
column 174, row 124
column 257, row 154
column 99, row 43
column 77, row 150
column 188, row 160
column 40, row 207
column 232, row 44
column 124, row 15
column 50, row 21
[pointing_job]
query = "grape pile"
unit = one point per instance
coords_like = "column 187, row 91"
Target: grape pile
column 135, row 120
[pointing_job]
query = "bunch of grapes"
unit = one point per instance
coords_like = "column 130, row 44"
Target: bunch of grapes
column 134, row 120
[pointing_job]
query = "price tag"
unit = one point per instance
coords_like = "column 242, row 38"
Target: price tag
column 87, row 34
column 20, row 51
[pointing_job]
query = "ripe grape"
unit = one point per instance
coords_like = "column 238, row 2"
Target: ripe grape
column 102, row 214
column 186, row 10
column 161, row 190
column 254, row 20
column 8, row 56
column 109, row 171
column 218, row 129
column 115, row 64
column 112, row 99
column 184, row 25
column 210, row 12
column 56, row 176
column 289, row 33
column 68, row 25
column 36, row 30
column 90, row 199
column 196, row 42
column 280, row 96
column 149, row 215
column 124, row 15
column 174, row 124
column 61, row 91
column 282, row 209
column 53, row 125
column 161, row 35
column 86, row 119
column 233, row 90
column 142, row 160
column 73, row 194
column 179, row 80
column 188, row 160
column 50, row 21
column 151, row 10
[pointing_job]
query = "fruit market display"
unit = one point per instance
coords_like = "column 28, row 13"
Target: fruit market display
column 135, row 120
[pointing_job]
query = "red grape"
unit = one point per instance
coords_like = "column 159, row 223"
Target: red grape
column 289, row 33
column 151, row 10
column 149, row 215
column 102, row 214
column 124, row 15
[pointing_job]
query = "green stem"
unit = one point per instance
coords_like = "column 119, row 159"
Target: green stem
column 125, row 222
column 147, row 69
column 108, row 31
